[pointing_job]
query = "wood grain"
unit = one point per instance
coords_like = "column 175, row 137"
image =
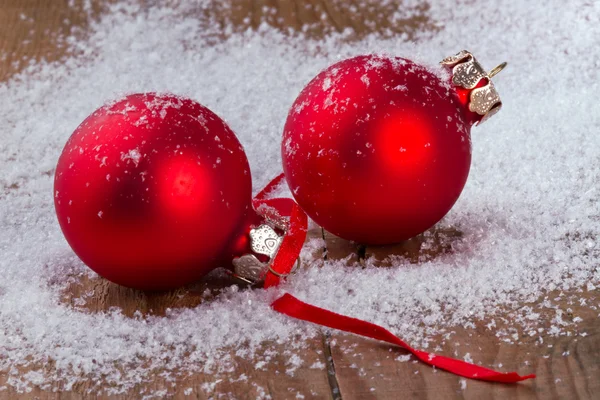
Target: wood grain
column 355, row 368
column 31, row 30
column 245, row 382
column 425, row 247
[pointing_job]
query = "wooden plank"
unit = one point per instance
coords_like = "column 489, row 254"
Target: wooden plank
column 31, row 30
column 566, row 367
column 248, row 380
column 41, row 22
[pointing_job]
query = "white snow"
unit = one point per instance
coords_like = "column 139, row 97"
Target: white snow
column 529, row 215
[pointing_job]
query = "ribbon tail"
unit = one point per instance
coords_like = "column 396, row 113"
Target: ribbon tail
column 292, row 307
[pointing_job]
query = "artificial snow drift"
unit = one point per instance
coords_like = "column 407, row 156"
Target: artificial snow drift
column 530, row 213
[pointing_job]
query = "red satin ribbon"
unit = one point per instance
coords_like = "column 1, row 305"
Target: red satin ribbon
column 293, row 240
column 283, row 262
column 292, row 307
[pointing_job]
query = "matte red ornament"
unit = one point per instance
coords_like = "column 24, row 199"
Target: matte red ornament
column 377, row 149
column 154, row 191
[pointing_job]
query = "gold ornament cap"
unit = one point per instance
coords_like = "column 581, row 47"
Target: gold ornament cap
column 467, row 73
column 266, row 241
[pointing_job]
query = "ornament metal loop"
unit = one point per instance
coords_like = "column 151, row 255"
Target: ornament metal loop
column 468, row 73
column 497, row 69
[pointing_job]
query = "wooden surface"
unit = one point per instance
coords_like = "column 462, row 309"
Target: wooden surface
column 29, row 30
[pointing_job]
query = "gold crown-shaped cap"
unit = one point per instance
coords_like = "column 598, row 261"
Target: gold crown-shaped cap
column 467, row 73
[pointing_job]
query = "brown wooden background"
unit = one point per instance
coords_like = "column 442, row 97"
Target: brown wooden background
column 29, row 30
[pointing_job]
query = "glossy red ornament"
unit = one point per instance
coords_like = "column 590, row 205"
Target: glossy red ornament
column 154, row 191
column 377, row 149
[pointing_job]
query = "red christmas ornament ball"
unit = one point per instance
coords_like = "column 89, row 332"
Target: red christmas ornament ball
column 377, row 149
column 152, row 191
